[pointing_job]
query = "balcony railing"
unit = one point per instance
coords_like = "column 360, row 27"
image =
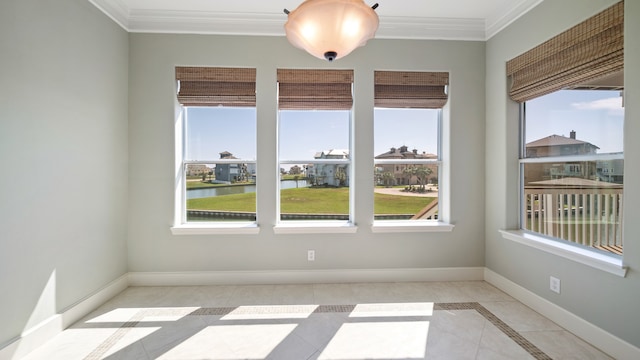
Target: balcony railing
column 586, row 216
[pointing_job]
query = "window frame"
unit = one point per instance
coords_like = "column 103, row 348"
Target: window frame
column 180, row 224
column 414, row 224
column 591, row 257
column 523, row 160
column 319, row 226
column 434, row 80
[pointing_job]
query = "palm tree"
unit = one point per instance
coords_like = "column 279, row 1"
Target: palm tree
column 387, row 178
column 423, row 172
column 410, row 171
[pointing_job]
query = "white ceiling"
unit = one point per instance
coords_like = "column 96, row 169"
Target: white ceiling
column 399, row 19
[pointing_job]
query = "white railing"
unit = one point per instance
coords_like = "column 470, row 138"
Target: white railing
column 591, row 217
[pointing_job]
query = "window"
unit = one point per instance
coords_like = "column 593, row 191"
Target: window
column 570, row 91
column 407, row 133
column 218, row 125
column 314, row 147
column 573, row 167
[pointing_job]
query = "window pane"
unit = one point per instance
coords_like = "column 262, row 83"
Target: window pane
column 578, row 201
column 220, row 192
column 574, row 122
column 211, row 131
column 406, row 189
column 569, row 198
column 223, row 188
column 314, row 164
column 415, row 129
column 306, row 134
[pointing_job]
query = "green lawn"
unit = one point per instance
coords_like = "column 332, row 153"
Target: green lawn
column 398, row 204
column 312, row 200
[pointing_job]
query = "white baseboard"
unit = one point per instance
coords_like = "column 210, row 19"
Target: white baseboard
column 592, row 334
column 36, row 336
column 302, row 276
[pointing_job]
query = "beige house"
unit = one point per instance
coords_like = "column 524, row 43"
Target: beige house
column 558, row 145
column 197, row 170
column 399, row 171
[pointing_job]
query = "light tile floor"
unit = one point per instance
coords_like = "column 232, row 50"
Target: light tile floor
column 422, row 320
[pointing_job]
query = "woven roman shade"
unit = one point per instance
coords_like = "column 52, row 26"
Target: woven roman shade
column 587, row 51
column 215, row 86
column 404, row 89
column 315, row 89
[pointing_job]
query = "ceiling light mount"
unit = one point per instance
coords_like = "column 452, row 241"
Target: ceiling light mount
column 331, row 29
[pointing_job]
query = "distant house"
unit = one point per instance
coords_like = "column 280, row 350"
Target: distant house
column 197, row 170
column 558, row 145
column 400, row 177
column 330, row 174
column 610, row 170
column 229, row 172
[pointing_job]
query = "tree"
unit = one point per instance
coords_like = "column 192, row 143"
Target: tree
column 410, row 172
column 295, row 170
column 423, row 173
column 341, row 176
column 387, row 178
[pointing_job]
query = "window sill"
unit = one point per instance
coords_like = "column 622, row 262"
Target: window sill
column 593, row 259
column 391, row 226
column 215, row 228
column 315, row 227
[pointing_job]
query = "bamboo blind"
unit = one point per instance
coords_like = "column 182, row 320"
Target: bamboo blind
column 587, row 51
column 403, row 89
column 315, row 89
column 215, row 86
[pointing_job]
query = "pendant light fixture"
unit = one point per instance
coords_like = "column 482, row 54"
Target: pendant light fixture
column 331, row 29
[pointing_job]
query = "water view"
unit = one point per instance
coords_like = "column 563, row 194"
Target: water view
column 240, row 189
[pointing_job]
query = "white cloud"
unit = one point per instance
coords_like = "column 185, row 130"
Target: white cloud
column 613, row 104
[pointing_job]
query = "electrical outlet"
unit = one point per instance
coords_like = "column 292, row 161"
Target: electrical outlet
column 554, row 284
column 311, row 255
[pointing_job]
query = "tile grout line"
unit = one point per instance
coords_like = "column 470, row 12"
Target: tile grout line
column 501, row 325
column 108, row 343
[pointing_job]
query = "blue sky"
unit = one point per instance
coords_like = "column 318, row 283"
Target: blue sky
column 303, row 134
column 597, row 117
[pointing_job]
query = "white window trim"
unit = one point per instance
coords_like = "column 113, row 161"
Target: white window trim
column 315, row 227
column 180, row 225
column 398, row 226
column 572, row 158
column 221, row 228
column 318, row 226
column 608, row 263
column 395, row 226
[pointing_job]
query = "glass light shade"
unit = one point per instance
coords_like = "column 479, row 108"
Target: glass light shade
column 331, row 29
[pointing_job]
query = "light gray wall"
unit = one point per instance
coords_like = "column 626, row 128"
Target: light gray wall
column 605, row 300
column 63, row 151
column 151, row 144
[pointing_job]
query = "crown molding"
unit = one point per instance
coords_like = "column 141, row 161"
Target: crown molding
column 206, row 22
column 262, row 24
column 116, row 10
column 497, row 23
column 201, row 22
column 431, row 28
